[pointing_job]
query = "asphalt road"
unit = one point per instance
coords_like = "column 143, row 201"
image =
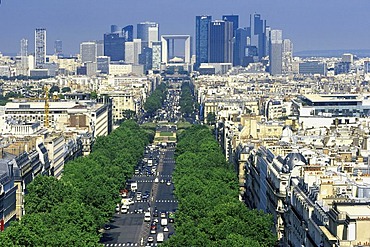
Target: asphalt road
column 130, row 229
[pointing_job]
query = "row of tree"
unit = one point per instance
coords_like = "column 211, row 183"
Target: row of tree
column 70, row 211
column 156, row 99
column 186, row 99
column 206, row 186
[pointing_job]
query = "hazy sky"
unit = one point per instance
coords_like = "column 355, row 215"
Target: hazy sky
column 310, row 24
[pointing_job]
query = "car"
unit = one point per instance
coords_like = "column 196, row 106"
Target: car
column 155, row 214
column 140, row 210
column 107, row 227
column 160, row 237
column 117, row 208
column 168, row 182
column 163, row 215
column 156, row 180
column 162, row 181
column 171, row 217
column 153, row 231
column 165, row 229
column 150, row 239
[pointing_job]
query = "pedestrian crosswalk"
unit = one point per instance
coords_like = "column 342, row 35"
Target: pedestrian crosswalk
column 129, row 244
column 160, row 175
column 121, row 244
column 167, row 201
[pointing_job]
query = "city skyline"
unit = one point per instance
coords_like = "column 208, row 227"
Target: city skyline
column 313, row 25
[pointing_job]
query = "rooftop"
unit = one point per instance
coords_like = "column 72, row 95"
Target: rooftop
column 354, row 212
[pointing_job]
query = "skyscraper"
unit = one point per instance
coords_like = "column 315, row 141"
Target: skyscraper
column 220, row 44
column 267, row 40
column 146, row 58
column 148, row 32
column 234, row 19
column 128, row 32
column 40, row 47
column 58, row 47
column 240, row 46
column 257, row 34
column 114, row 42
column 132, row 51
column 88, row 52
column 114, row 29
column 287, row 56
column 202, row 36
column 99, row 48
column 23, row 68
column 114, row 46
column 156, row 55
column 276, row 47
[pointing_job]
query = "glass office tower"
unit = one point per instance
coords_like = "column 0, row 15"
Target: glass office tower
column 201, row 35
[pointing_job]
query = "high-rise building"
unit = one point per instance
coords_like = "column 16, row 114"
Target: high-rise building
column 88, row 52
column 132, row 51
column 276, row 50
column 202, row 36
column 234, row 19
column 114, row 29
column 58, row 47
column 287, row 56
column 23, row 69
column 40, row 47
column 220, row 44
column 257, row 34
column 99, row 48
column 114, row 42
column 240, row 46
column 153, row 35
column 128, row 32
column 146, row 58
column 148, row 32
column 114, row 46
column 156, row 55
column 267, row 40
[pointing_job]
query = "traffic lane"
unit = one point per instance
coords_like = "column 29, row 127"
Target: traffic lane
column 131, row 228
column 168, row 167
column 130, row 222
column 145, row 184
column 165, row 192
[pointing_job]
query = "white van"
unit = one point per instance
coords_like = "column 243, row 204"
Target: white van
column 147, row 216
column 160, row 237
column 164, row 222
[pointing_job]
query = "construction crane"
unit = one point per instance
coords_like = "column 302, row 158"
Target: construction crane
column 46, row 107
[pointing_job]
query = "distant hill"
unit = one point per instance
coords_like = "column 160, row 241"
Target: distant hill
column 332, row 53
